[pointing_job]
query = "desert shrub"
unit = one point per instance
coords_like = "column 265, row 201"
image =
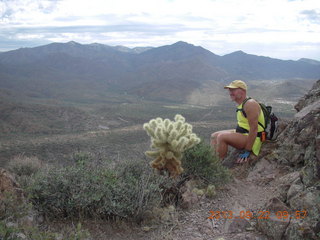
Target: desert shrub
column 139, row 188
column 73, row 191
column 24, row 166
column 84, row 191
column 200, row 161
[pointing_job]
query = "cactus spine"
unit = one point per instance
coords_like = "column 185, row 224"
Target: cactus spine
column 169, row 139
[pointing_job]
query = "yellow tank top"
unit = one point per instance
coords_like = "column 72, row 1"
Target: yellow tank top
column 244, row 123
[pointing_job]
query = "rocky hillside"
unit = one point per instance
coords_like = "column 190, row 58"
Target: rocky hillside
column 294, row 165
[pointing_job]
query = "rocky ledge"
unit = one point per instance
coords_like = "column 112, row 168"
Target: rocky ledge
column 295, row 158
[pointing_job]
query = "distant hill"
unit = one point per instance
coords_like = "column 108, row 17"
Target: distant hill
column 252, row 67
column 76, row 71
column 311, row 61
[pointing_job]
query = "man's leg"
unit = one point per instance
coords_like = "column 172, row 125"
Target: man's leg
column 224, row 138
column 215, row 136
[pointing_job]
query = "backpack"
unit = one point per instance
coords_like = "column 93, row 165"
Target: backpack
column 270, row 120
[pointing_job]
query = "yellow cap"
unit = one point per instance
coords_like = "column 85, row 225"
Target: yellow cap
column 237, row 84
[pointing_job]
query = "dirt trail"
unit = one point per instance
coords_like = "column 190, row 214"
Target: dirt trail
column 239, row 195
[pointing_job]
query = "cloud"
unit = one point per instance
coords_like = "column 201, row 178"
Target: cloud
column 312, row 15
column 21, row 8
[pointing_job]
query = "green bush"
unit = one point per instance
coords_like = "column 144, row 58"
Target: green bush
column 72, row 191
column 84, row 191
column 200, row 161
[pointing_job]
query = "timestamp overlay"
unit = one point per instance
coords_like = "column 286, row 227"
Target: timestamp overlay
column 263, row 215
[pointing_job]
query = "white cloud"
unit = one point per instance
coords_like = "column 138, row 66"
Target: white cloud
column 227, row 24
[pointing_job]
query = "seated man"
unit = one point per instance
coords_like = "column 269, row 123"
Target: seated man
column 247, row 135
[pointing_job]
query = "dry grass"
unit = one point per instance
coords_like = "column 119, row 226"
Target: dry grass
column 25, row 166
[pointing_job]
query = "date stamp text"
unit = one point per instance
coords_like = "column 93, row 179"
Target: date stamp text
column 282, row 215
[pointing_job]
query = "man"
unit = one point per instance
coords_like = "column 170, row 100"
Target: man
column 249, row 130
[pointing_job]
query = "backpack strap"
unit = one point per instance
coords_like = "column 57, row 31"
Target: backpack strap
column 242, row 109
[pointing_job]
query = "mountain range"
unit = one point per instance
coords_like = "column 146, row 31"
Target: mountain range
column 172, row 72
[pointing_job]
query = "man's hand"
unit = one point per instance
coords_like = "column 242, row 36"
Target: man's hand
column 243, row 156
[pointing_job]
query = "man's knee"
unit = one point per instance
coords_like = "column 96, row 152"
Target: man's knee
column 218, row 133
column 214, row 135
column 221, row 136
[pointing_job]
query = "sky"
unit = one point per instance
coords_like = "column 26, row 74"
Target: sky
column 284, row 29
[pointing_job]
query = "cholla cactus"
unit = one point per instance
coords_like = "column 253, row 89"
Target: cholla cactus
column 169, row 139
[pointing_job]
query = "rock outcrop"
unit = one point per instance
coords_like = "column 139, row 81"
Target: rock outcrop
column 297, row 159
